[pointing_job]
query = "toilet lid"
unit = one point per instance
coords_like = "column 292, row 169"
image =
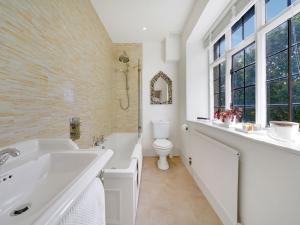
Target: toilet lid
column 162, row 143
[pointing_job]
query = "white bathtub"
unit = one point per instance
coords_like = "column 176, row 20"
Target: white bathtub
column 122, row 177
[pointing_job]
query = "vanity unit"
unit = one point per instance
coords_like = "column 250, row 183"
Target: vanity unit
column 41, row 180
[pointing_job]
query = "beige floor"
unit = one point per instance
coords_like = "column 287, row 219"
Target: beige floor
column 172, row 197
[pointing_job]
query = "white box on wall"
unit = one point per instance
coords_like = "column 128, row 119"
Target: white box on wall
column 172, row 48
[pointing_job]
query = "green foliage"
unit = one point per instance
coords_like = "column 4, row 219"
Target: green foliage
column 277, row 68
column 243, row 81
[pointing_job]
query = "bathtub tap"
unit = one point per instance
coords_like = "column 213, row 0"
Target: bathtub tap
column 98, row 141
column 6, row 153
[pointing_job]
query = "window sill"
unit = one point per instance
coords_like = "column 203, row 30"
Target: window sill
column 262, row 137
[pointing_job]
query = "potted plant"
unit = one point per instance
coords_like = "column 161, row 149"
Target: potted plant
column 228, row 117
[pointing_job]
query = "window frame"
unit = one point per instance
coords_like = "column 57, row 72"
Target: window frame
column 244, row 87
column 220, row 106
column 261, row 28
column 287, row 14
column 289, row 77
column 242, row 22
column 212, row 65
column 217, row 46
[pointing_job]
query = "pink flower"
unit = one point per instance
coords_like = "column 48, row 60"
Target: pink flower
column 228, row 114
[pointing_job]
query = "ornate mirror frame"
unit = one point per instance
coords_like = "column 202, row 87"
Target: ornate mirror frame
column 165, row 77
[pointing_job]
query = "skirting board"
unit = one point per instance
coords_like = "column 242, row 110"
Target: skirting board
column 151, row 153
column 212, row 201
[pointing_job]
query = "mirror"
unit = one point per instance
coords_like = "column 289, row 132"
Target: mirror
column 161, row 89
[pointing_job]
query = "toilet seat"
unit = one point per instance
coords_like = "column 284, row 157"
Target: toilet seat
column 162, row 144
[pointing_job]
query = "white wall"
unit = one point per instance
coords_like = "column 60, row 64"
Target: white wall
column 153, row 62
column 172, row 47
column 197, row 81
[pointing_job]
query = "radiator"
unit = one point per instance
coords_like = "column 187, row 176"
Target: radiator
column 215, row 167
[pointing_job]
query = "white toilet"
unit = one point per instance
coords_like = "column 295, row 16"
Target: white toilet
column 162, row 146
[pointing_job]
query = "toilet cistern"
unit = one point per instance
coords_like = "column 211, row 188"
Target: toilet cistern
column 161, row 144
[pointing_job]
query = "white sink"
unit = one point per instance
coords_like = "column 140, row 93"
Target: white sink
column 44, row 184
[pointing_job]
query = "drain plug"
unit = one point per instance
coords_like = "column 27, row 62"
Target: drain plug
column 20, row 210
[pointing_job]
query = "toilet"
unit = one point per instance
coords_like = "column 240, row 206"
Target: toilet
column 161, row 144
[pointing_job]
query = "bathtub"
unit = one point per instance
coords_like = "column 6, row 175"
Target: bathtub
column 122, row 177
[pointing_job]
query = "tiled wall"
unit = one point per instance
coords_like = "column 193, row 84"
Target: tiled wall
column 126, row 120
column 56, row 62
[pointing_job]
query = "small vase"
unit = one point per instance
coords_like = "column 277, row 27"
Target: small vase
column 227, row 122
column 230, row 121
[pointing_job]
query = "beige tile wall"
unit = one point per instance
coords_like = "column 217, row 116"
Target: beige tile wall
column 55, row 63
column 126, row 121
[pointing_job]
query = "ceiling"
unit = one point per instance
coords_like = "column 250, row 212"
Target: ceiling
column 124, row 19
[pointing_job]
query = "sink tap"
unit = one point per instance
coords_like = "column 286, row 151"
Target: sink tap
column 6, row 153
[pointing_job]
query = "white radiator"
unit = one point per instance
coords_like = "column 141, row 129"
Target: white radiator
column 215, row 167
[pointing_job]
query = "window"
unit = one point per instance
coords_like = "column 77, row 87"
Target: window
column 283, row 71
column 219, row 48
column 274, row 7
column 279, row 67
column 243, row 28
column 219, row 86
column 243, row 82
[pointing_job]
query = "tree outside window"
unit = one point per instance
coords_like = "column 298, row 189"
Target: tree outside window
column 283, row 71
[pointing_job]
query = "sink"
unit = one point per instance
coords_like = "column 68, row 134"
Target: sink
column 41, row 187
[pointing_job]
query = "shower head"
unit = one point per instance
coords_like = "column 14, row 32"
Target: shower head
column 124, row 58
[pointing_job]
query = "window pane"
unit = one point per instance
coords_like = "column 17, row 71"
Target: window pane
column 222, row 46
column 278, row 73
column 222, row 99
column 277, row 65
column 238, row 61
column 243, row 81
column 277, row 39
column 249, row 114
column 216, row 72
column 296, row 113
column 250, row 75
column 296, row 29
column 238, row 97
column 216, row 86
column 249, row 23
column 277, row 112
column 222, row 84
column 237, row 33
column 250, row 95
column 223, row 69
column 219, row 85
column 238, row 79
column 274, row 7
column 243, row 28
column 277, row 91
column 216, row 51
column 250, row 54
column 295, row 59
column 296, row 89
column 216, row 100
column 222, row 76
column 219, row 48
